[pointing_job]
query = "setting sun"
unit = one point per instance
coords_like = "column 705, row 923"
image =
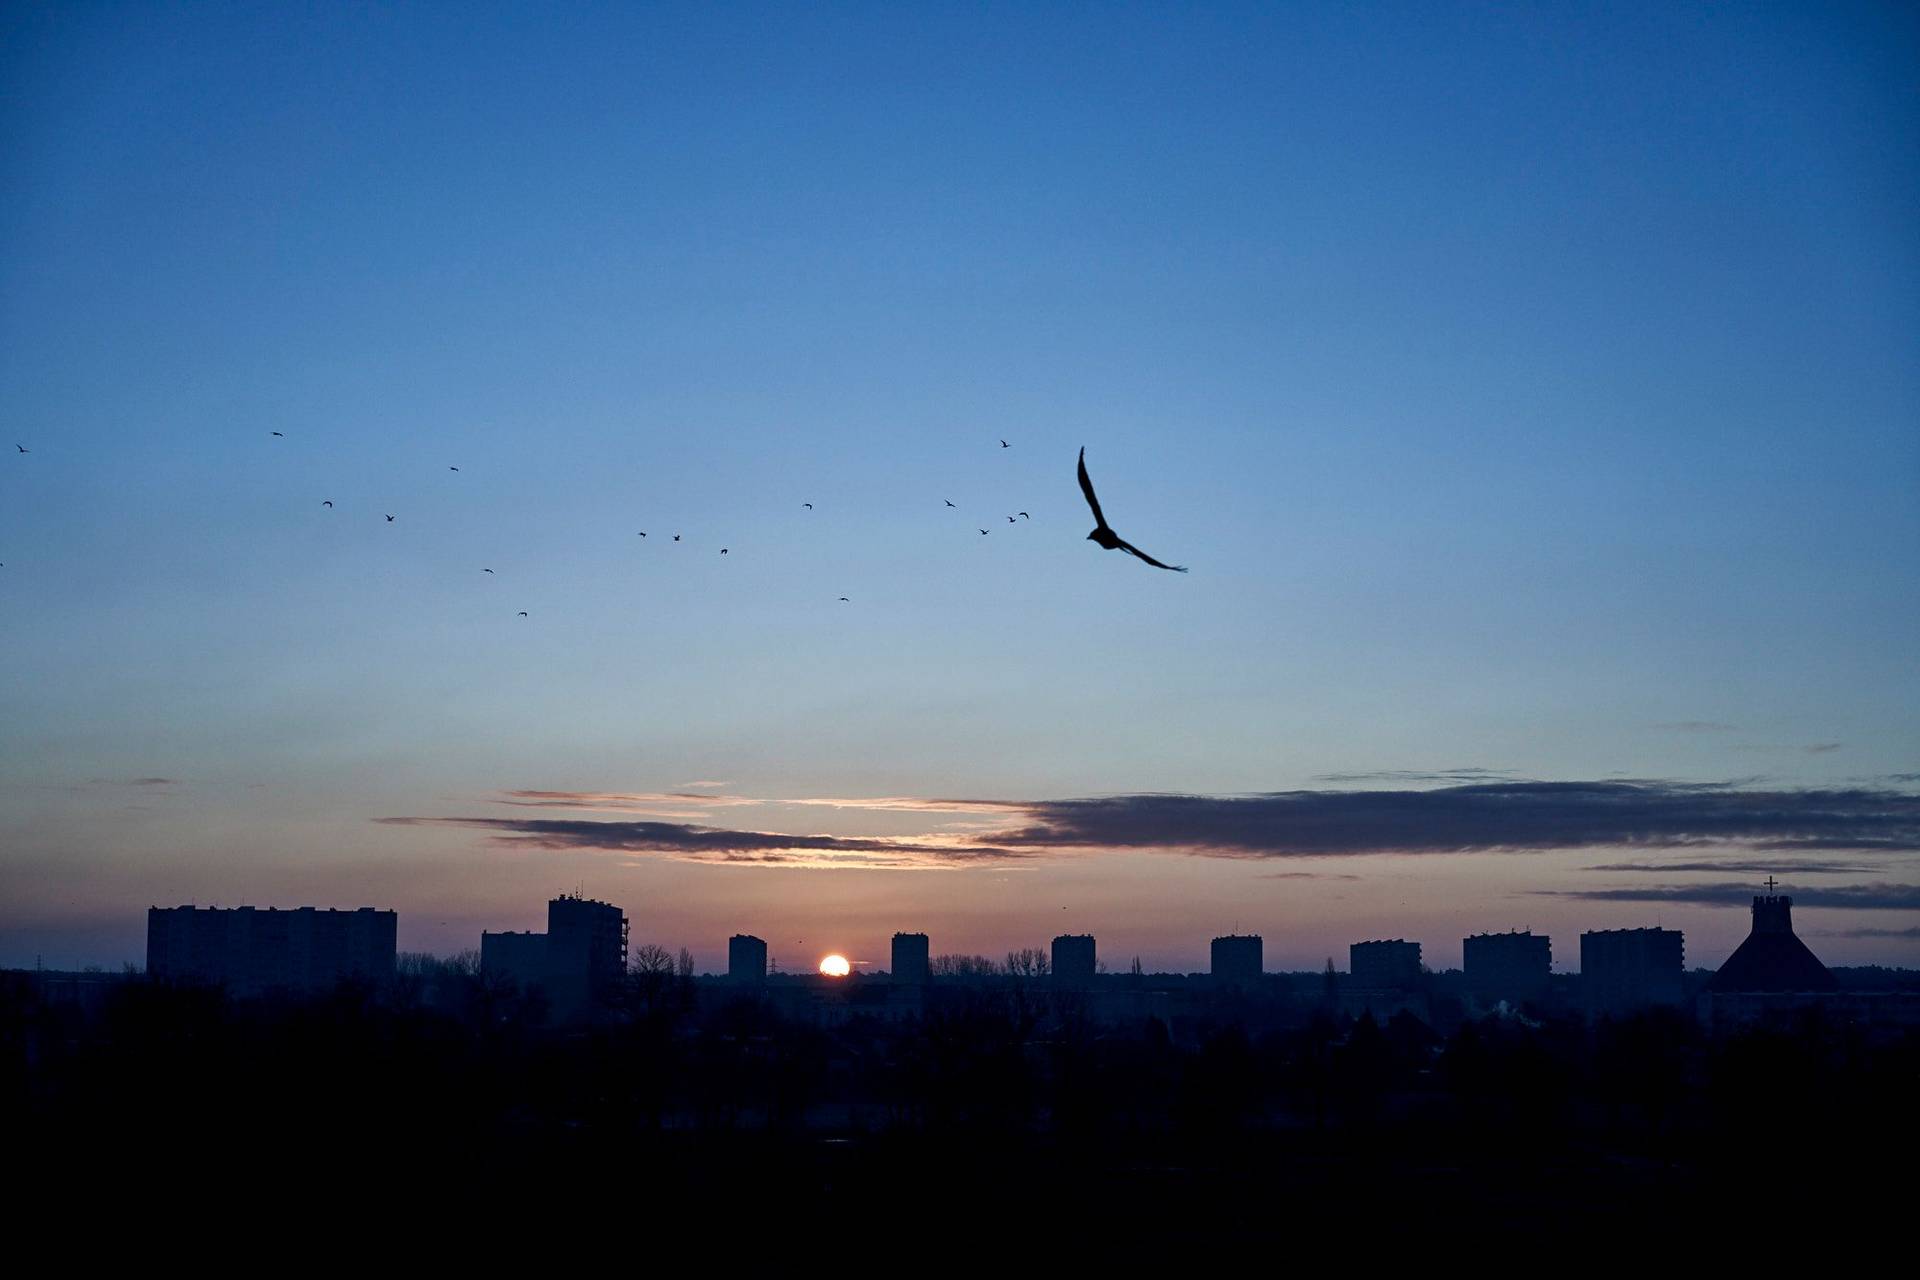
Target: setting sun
column 835, row 967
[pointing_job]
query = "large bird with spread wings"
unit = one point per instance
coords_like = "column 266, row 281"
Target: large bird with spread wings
column 1103, row 532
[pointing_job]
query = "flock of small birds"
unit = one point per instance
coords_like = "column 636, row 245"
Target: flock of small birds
column 1102, row 534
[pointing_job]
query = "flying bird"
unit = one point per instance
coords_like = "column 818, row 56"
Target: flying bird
column 326, row 502
column 523, row 613
column 486, row 571
column 643, row 533
column 844, row 600
column 944, row 500
column 1103, row 533
column 1011, row 520
column 281, row 434
column 723, row 551
column 983, row 533
column 389, row 519
column 807, row 505
column 1025, row 516
column 676, row 537
column 22, row 448
column 1005, row 445
column 453, row 468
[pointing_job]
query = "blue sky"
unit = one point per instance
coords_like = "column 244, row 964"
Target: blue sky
column 1519, row 383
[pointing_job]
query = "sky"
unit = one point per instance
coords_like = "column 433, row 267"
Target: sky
column 1533, row 392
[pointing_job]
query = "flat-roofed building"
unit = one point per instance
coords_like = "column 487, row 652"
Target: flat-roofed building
column 1238, row 960
column 251, row 950
column 1384, row 964
column 746, row 958
column 1514, row 967
column 912, row 964
column 1622, row 970
column 1074, row 961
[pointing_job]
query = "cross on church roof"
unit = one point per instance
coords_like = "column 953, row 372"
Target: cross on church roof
column 1770, row 883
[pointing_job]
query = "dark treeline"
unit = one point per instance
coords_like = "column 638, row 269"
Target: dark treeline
column 691, row 1100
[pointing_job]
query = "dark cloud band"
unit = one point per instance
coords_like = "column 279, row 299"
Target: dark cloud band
column 712, row 843
column 1480, row 816
column 1849, row 897
column 1484, row 816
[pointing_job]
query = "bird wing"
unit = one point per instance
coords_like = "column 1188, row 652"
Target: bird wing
column 1130, row 549
column 1086, row 487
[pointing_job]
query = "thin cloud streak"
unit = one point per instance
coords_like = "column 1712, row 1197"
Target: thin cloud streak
column 1503, row 816
column 1758, row 867
column 1469, row 773
column 1514, row 816
column 657, row 801
column 714, row 844
column 1846, row 897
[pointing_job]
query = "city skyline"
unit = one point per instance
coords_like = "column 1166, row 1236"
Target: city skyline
column 455, row 457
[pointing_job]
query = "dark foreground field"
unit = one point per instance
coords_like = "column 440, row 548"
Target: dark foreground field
column 985, row 1114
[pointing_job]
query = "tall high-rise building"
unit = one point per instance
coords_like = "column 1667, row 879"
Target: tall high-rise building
column 1074, row 963
column 746, row 958
column 1391, row 964
column 250, row 950
column 588, row 938
column 1238, row 960
column 1507, row 966
column 912, row 965
column 1626, row 969
column 576, row 965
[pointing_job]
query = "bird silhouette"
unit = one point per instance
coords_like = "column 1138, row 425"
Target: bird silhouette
column 486, row 571
column 453, row 468
column 281, row 434
column 389, row 519
column 723, row 551
column 844, row 600
column 326, row 502
column 1011, row 520
column 1025, row 516
column 983, row 533
column 1005, row 445
column 523, row 613
column 22, row 448
column 1103, row 533
column 944, row 500
column 676, row 537
column 807, row 505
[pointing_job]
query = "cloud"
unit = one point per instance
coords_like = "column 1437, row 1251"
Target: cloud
column 1307, row 875
column 657, row 802
column 1505, row 816
column 1697, row 726
column 1913, row 932
column 1807, row 748
column 1847, row 897
column 716, row 844
column 1467, row 773
column 1483, row 816
column 1757, row 866
column 153, row 782
column 672, row 803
